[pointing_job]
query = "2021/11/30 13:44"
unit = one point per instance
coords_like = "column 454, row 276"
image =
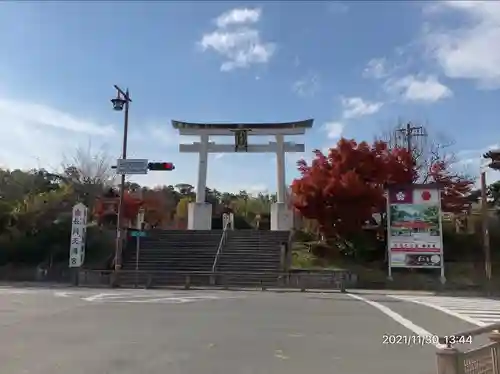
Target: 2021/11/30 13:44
column 456, row 339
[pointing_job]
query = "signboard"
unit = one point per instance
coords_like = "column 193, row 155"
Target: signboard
column 78, row 235
column 414, row 227
column 241, row 140
column 423, row 260
column 225, row 220
column 138, row 234
column 132, row 166
column 447, row 217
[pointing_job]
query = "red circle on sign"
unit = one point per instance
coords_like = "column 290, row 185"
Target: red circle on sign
column 426, row 195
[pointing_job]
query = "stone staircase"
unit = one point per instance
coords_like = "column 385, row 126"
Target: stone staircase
column 168, row 256
column 247, row 251
column 174, row 251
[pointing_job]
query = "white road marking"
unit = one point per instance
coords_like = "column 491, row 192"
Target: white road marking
column 397, row 317
column 13, row 291
column 166, row 300
column 62, row 294
column 477, row 311
column 100, row 296
column 165, row 297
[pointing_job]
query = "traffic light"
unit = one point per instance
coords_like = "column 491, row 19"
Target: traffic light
column 163, row 166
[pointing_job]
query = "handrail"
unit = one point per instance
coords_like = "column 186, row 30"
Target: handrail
column 221, row 244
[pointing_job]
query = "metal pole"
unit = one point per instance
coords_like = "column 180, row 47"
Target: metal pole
column 137, row 249
column 441, row 244
column 119, row 239
column 484, row 226
column 388, row 240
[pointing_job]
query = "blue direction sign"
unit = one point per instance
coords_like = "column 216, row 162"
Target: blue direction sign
column 138, row 234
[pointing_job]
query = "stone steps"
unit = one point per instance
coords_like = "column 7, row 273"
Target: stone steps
column 168, row 256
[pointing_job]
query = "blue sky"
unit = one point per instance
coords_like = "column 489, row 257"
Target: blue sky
column 357, row 68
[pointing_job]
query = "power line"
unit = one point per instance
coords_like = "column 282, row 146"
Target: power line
column 411, row 131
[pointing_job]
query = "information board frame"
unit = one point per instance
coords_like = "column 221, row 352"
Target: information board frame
column 414, row 227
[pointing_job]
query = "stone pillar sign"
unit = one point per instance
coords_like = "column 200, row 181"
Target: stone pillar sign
column 78, row 235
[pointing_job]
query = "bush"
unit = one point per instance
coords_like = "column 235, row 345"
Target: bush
column 52, row 245
column 303, row 236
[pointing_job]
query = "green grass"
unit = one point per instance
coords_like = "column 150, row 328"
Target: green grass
column 303, row 259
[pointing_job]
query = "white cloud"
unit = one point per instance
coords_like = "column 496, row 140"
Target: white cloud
column 238, row 16
column 470, row 162
column 337, row 7
column 468, row 51
column 472, row 158
column 424, row 89
column 36, row 135
column 334, row 129
column 376, row 68
column 241, row 47
column 47, row 116
column 355, row 107
column 163, row 133
column 307, row 86
column 256, row 189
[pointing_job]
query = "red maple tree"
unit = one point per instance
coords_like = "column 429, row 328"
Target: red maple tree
column 132, row 206
column 343, row 189
column 108, row 205
column 454, row 187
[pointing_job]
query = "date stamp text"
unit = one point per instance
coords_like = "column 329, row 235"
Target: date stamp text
column 411, row 340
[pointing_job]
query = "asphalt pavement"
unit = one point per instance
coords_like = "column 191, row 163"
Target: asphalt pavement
column 100, row 331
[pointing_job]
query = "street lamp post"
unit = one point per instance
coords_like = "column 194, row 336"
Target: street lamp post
column 120, row 103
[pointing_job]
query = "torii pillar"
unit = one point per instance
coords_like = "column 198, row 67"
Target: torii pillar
column 200, row 212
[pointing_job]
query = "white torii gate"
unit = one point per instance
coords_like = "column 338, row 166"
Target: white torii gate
column 200, row 212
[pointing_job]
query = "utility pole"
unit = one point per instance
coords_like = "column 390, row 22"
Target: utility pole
column 409, row 132
column 493, row 162
column 484, row 227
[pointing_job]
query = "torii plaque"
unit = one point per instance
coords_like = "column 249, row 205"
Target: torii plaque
column 200, row 212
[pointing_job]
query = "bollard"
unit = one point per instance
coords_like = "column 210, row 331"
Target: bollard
column 149, row 282
column 342, row 283
column 342, row 286
column 114, row 279
column 302, row 285
column 262, row 285
column 187, row 284
column 75, row 275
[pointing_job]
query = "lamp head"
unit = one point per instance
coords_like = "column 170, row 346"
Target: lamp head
column 118, row 103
